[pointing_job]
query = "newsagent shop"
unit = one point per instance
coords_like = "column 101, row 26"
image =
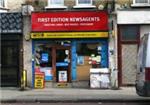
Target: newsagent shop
column 66, row 45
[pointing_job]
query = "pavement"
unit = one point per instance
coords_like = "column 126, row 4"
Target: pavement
column 122, row 94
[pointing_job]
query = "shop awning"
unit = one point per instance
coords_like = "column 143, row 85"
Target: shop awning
column 11, row 23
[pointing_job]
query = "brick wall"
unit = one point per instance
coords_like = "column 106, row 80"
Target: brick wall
column 40, row 4
column 15, row 5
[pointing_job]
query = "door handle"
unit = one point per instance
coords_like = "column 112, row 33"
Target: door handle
column 141, row 69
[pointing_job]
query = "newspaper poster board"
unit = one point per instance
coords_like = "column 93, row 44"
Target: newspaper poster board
column 39, row 80
column 62, row 76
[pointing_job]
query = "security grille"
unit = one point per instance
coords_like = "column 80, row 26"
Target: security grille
column 129, row 53
column 11, row 23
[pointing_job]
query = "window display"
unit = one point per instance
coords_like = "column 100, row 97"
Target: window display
column 92, row 50
column 43, row 60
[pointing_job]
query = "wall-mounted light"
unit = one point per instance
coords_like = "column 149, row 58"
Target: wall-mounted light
column 27, row 9
column 27, row 37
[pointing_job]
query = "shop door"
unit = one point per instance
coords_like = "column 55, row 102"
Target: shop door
column 63, row 64
column 128, row 41
column 10, row 63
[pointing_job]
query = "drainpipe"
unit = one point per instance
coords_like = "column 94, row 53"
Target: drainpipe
column 112, row 46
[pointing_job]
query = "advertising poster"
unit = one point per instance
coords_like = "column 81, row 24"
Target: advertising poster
column 62, row 76
column 44, row 57
column 80, row 60
column 48, row 73
column 39, row 80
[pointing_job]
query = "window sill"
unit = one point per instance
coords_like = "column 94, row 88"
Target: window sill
column 3, row 9
column 55, row 7
column 84, row 6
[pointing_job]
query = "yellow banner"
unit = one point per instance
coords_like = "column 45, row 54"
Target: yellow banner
column 69, row 35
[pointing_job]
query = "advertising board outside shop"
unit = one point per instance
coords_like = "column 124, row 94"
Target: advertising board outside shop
column 39, row 80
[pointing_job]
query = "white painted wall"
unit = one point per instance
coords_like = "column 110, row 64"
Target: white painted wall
column 133, row 17
column 144, row 29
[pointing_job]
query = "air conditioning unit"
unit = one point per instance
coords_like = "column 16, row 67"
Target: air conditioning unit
column 27, row 9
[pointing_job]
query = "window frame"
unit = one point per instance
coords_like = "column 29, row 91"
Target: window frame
column 77, row 2
column 85, row 5
column 137, row 40
column 3, row 4
column 53, row 6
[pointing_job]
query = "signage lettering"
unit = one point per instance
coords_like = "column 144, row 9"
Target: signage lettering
column 74, row 19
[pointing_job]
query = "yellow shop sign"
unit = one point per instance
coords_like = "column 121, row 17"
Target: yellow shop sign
column 41, row 35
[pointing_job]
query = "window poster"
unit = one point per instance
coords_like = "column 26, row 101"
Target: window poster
column 80, row 60
column 44, row 57
column 48, row 73
column 62, row 76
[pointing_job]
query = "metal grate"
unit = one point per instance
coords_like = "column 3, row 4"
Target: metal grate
column 11, row 23
column 129, row 54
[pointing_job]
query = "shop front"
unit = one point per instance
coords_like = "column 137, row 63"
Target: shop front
column 65, row 45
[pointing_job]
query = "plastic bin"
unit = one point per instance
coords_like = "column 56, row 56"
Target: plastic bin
column 100, row 78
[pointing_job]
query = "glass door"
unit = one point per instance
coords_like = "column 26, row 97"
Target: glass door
column 10, row 63
column 63, row 64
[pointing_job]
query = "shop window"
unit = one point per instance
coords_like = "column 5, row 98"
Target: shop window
column 87, row 49
column 55, row 4
column 91, row 55
column 129, row 33
column 43, row 60
column 84, row 4
column 43, row 56
column 89, row 52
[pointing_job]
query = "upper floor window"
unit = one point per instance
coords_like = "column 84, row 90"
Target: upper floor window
column 84, row 4
column 2, row 4
column 56, row 4
column 129, row 33
column 141, row 3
